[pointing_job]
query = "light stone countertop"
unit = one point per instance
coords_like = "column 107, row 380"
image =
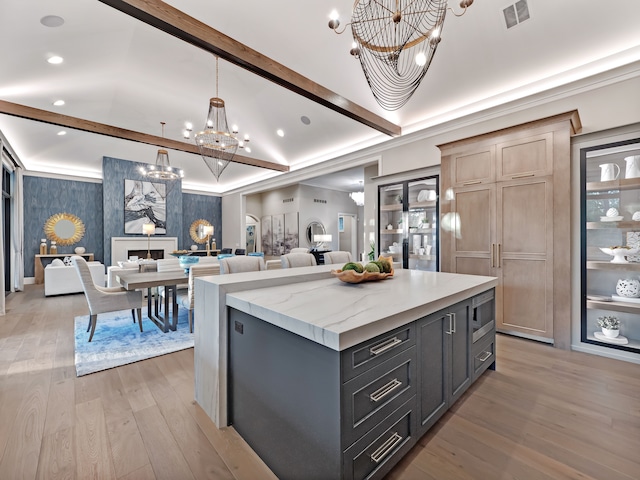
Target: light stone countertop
column 339, row 315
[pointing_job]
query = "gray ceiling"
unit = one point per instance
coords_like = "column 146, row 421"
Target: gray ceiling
column 121, row 72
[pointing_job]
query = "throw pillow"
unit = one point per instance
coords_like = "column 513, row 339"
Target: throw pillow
column 67, row 261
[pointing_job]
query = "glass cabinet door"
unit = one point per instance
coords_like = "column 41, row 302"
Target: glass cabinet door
column 408, row 223
column 610, row 217
column 391, row 221
column 423, row 224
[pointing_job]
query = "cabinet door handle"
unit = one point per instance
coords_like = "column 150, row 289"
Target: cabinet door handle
column 498, row 259
column 385, row 390
column 523, row 175
column 386, row 448
column 492, row 256
column 453, row 316
column 450, row 324
column 476, row 182
column 485, row 356
column 384, row 346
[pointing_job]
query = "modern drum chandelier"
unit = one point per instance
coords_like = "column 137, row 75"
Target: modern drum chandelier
column 217, row 144
column 395, row 41
column 162, row 170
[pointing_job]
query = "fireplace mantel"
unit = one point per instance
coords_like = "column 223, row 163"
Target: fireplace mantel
column 121, row 245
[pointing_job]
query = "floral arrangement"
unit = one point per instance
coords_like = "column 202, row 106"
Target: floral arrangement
column 609, row 322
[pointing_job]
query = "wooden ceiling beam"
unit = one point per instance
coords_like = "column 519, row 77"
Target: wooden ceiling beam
column 52, row 118
column 175, row 22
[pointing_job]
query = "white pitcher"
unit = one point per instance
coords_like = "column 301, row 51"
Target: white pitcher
column 608, row 172
column 633, row 166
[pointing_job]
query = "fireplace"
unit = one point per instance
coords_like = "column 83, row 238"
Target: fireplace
column 155, row 254
column 121, row 246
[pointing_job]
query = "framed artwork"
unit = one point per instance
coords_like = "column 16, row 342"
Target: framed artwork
column 144, row 202
column 251, row 238
column 267, row 235
column 278, row 234
column 340, row 224
column 291, row 231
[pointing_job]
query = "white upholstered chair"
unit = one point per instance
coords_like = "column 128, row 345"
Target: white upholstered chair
column 337, row 257
column 241, row 263
column 187, row 299
column 293, row 260
column 299, row 250
column 104, row 299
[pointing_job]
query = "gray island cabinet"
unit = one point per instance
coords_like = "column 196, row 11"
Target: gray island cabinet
column 336, row 381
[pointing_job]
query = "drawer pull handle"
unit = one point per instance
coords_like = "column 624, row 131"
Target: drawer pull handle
column 386, row 448
column 385, row 390
column 484, row 357
column 384, row 346
column 472, row 183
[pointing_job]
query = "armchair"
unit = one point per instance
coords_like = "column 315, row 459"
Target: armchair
column 105, row 299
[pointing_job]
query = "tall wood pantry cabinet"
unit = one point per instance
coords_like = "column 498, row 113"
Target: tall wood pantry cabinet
column 505, row 212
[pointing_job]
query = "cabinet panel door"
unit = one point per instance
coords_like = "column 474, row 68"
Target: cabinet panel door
column 433, row 381
column 525, row 157
column 473, row 167
column 459, row 352
column 525, row 257
column 471, row 220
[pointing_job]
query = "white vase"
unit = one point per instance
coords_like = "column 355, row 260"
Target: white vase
column 610, row 333
column 80, row 250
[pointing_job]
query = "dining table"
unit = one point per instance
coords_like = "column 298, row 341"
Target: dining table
column 151, row 280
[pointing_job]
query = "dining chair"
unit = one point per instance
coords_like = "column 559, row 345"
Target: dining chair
column 226, row 250
column 338, row 256
column 299, row 250
column 241, row 263
column 293, row 260
column 106, row 299
column 240, row 251
column 187, row 299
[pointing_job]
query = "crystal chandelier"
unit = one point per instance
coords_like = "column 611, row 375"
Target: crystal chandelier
column 357, row 197
column 162, row 170
column 395, row 41
column 217, row 144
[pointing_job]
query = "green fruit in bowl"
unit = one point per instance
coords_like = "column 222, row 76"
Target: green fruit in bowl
column 385, row 267
column 352, row 266
column 371, row 267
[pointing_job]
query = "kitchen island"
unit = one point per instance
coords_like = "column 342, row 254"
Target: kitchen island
column 334, row 380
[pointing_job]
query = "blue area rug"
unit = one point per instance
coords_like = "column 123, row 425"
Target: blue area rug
column 117, row 341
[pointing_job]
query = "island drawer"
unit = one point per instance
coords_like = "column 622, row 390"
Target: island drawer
column 364, row 356
column 369, row 398
column 376, row 453
column 484, row 354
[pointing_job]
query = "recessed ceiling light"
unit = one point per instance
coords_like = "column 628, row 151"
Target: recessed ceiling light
column 58, row 103
column 52, row 21
column 55, row 60
column 280, row 132
column 306, row 120
column 61, row 132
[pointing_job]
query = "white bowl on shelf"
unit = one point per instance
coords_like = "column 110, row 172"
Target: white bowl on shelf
column 619, row 254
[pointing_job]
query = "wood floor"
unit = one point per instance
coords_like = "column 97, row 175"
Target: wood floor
column 543, row 414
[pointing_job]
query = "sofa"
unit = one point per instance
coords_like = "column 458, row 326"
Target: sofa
column 60, row 279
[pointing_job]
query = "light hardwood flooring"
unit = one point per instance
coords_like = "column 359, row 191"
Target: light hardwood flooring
column 543, row 414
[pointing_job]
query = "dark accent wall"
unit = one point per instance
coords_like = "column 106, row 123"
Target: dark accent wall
column 44, row 197
column 195, row 207
column 114, row 173
column 101, row 209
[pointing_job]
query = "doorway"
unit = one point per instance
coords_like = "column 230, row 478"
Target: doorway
column 348, row 234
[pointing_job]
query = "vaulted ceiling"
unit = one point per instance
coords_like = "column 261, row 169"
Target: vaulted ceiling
column 124, row 75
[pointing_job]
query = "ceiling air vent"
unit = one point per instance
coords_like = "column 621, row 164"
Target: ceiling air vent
column 516, row 13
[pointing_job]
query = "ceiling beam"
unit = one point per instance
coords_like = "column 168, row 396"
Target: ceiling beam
column 177, row 23
column 51, row 118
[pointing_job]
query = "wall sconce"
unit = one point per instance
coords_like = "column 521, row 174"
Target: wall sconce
column 148, row 229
